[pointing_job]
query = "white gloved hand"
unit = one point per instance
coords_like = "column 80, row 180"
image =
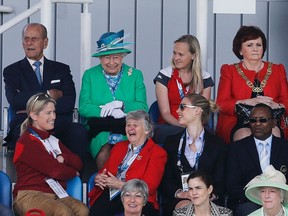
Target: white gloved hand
column 106, row 110
column 118, row 113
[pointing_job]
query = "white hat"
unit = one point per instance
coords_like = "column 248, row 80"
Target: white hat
column 269, row 178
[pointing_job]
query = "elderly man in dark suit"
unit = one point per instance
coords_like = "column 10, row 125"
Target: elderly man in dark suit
column 250, row 156
column 35, row 74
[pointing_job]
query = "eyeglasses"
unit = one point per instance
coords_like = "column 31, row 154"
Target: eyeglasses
column 261, row 120
column 182, row 106
column 32, row 39
column 135, row 196
column 115, row 57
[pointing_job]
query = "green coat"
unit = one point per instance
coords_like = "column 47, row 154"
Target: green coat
column 95, row 92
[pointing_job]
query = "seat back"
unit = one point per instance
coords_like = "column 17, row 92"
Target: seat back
column 74, row 188
column 154, row 112
column 90, row 186
column 5, row 190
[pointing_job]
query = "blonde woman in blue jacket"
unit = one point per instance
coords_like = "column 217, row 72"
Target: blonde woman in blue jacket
column 110, row 90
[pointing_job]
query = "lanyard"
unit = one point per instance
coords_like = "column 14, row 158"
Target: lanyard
column 47, row 145
column 35, row 134
column 198, row 154
column 124, row 166
column 180, row 89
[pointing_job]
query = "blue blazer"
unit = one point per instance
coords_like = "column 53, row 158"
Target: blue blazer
column 243, row 165
column 21, row 83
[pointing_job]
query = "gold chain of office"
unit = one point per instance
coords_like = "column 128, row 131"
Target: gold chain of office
column 256, row 89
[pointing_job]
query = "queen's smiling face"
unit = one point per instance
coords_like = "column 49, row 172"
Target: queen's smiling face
column 112, row 63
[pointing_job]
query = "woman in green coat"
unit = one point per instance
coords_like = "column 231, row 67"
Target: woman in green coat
column 110, row 90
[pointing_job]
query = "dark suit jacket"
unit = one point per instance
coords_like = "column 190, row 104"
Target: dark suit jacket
column 243, row 165
column 21, row 83
column 211, row 160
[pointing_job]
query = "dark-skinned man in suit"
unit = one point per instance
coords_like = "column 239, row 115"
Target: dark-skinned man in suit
column 245, row 158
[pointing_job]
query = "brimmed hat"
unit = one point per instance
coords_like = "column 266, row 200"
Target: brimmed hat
column 111, row 43
column 269, row 178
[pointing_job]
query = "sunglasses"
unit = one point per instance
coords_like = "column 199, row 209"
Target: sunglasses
column 183, row 106
column 40, row 97
column 261, row 120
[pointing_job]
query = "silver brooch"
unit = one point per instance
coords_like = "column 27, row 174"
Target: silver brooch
column 130, row 71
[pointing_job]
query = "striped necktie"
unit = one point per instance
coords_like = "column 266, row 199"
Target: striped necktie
column 264, row 155
column 37, row 64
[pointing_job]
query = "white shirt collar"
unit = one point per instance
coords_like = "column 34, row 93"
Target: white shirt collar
column 32, row 61
column 268, row 140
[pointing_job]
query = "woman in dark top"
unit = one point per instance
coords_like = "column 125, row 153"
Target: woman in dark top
column 193, row 149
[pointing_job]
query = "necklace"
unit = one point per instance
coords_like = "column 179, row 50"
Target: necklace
column 257, row 69
column 255, row 89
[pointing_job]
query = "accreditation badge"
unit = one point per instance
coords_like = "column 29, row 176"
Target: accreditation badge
column 184, row 177
column 113, row 193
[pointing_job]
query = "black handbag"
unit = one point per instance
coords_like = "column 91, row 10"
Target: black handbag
column 243, row 112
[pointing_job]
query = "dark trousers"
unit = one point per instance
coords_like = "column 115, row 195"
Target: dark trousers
column 104, row 207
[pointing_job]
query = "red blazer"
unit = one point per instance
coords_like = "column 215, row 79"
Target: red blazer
column 233, row 87
column 148, row 166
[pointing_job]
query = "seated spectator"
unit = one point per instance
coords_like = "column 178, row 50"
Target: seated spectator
column 247, row 83
column 134, row 197
column 43, row 164
column 269, row 190
column 200, row 192
column 110, row 90
column 23, row 79
column 139, row 157
column 193, row 149
column 5, row 211
column 184, row 76
column 250, row 156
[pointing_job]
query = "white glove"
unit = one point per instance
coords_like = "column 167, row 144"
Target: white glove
column 118, row 113
column 106, row 110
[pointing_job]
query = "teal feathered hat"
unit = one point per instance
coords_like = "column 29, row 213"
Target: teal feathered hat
column 111, row 43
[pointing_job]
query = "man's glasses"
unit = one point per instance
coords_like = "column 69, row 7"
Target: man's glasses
column 183, row 106
column 261, row 120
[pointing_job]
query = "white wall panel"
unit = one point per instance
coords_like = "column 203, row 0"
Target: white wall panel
column 11, row 45
column 227, row 26
column 122, row 16
column 175, row 24
column 100, row 23
column 259, row 19
column 148, row 42
column 278, row 33
column 67, row 42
